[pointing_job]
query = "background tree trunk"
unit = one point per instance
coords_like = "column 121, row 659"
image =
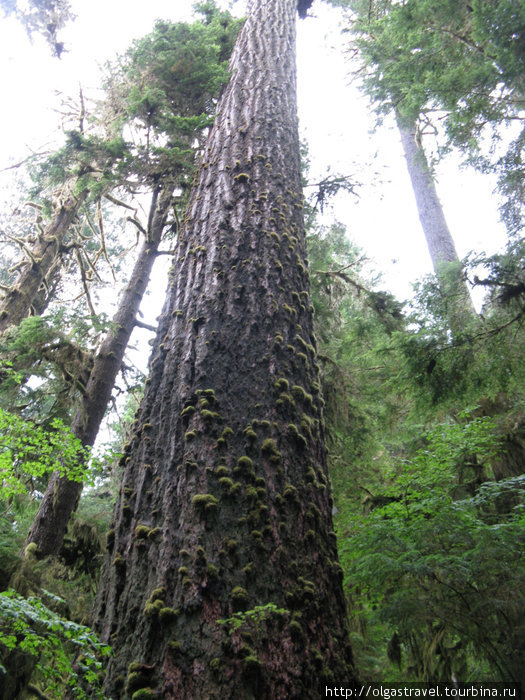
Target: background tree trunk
column 435, row 228
column 17, row 302
column 61, row 496
column 225, row 502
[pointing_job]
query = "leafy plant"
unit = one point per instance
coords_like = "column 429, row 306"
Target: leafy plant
column 29, row 452
column 68, row 656
column 253, row 617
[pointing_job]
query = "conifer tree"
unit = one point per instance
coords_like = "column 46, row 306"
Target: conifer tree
column 221, row 578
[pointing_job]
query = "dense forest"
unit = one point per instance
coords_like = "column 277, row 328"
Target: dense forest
column 314, row 484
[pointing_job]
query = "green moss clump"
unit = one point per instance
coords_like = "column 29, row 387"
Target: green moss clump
column 310, row 536
column 222, row 470
column 296, row 631
column 167, row 616
column 188, row 411
column 231, row 545
column 252, row 667
column 216, row 664
column 139, row 675
column 290, row 492
column 244, row 462
column 269, row 447
column 270, row 451
column 310, row 474
column 249, row 569
column 153, row 609
column 204, row 501
column 200, row 554
column 141, row 532
column 251, row 493
column 235, row 489
column 239, row 598
column 226, row 483
column 212, row 571
column 227, row 433
column 282, row 384
column 286, row 399
column 260, row 482
column 308, row 588
column 144, row 694
column 154, row 532
column 190, row 435
column 118, row 561
column 250, row 433
column 210, row 415
column 183, row 571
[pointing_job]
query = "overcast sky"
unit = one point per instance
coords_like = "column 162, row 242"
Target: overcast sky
column 334, row 118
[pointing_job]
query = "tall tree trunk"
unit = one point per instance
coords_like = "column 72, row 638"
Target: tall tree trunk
column 437, row 234
column 225, row 503
column 17, row 302
column 61, row 496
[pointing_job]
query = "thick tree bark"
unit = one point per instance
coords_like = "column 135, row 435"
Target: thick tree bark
column 435, row 228
column 61, row 496
column 16, row 304
column 225, row 502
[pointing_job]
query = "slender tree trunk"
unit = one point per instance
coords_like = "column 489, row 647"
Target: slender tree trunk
column 437, row 234
column 62, row 495
column 16, row 304
column 225, row 503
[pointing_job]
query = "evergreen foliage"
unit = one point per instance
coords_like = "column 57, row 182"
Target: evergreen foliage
column 463, row 59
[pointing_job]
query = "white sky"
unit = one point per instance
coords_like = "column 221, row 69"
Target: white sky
column 333, row 117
